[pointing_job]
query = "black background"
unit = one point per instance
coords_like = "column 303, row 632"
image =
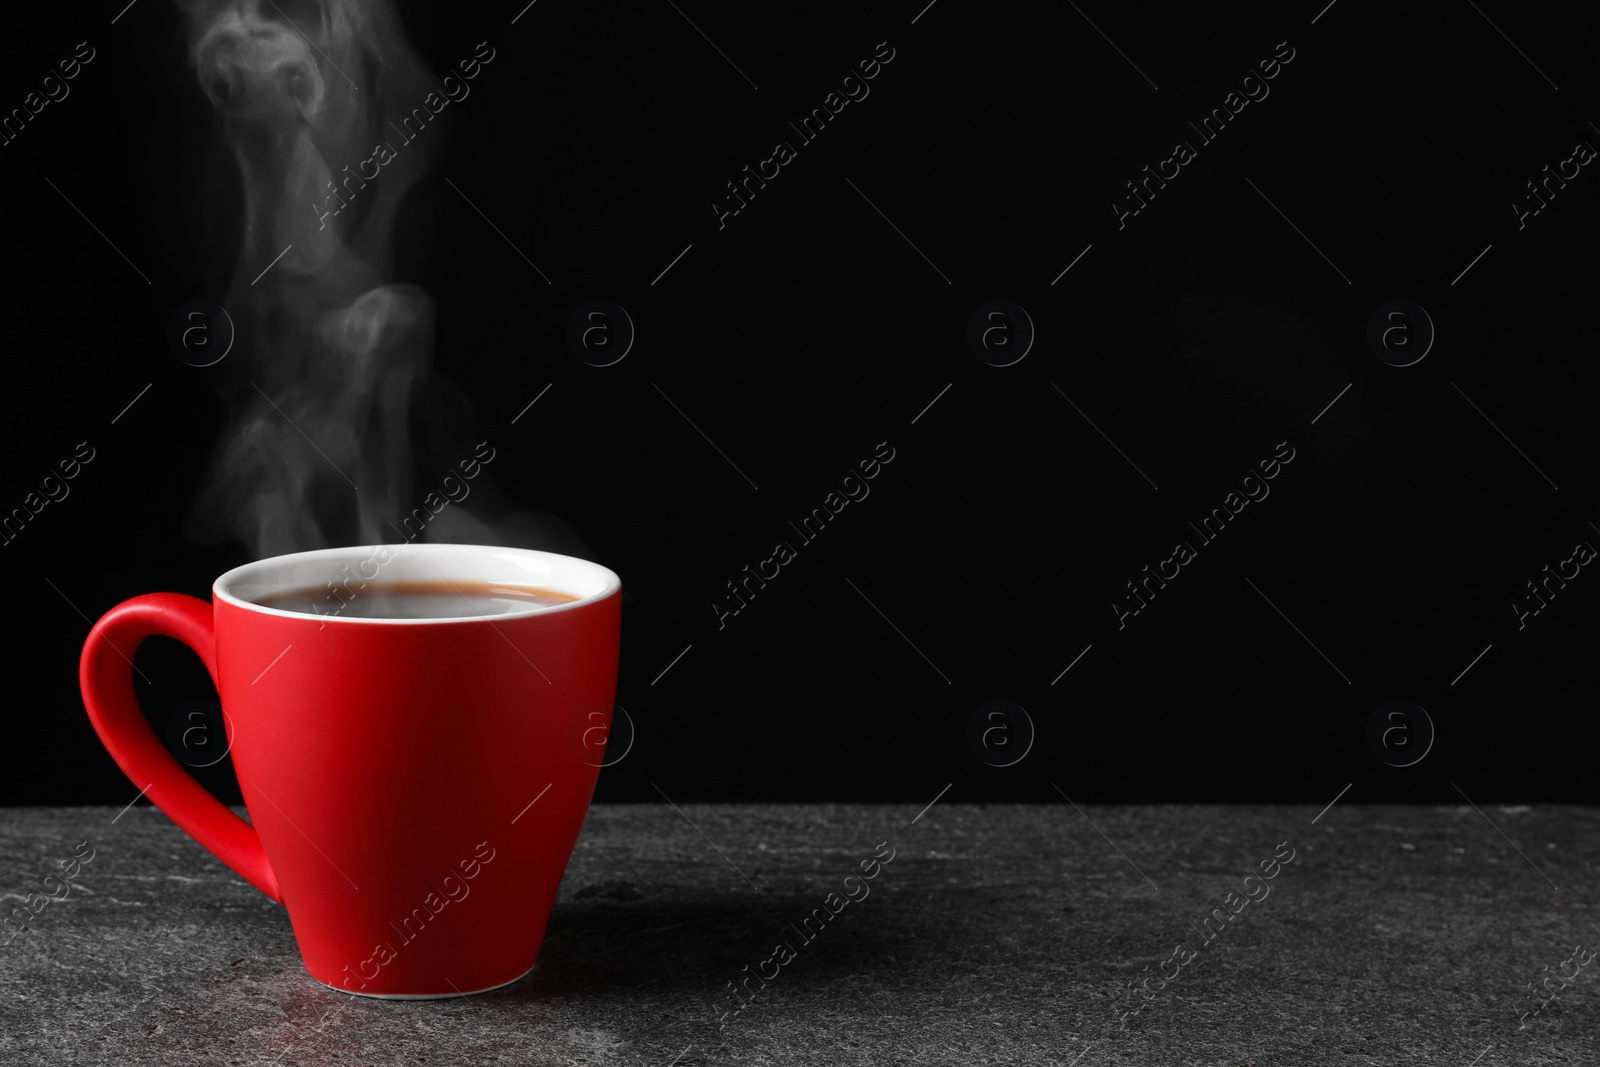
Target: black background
column 809, row 329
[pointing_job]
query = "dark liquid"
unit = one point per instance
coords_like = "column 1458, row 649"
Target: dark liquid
column 414, row 600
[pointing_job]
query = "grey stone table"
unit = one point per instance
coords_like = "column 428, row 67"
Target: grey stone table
column 996, row 935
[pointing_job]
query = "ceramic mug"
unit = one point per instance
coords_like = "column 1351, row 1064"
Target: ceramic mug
column 415, row 786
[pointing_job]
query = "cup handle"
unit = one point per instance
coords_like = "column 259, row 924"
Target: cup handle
column 105, row 674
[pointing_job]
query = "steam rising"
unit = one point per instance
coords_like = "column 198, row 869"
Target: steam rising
column 318, row 449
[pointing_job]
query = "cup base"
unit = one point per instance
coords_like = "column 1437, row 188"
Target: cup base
column 452, row 995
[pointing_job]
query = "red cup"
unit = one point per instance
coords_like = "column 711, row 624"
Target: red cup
column 415, row 786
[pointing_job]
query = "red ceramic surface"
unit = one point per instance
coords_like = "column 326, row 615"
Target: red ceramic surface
column 415, row 787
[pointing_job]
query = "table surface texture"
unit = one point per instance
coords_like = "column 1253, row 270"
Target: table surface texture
column 998, row 934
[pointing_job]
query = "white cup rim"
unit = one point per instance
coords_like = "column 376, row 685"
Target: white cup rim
column 525, row 567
